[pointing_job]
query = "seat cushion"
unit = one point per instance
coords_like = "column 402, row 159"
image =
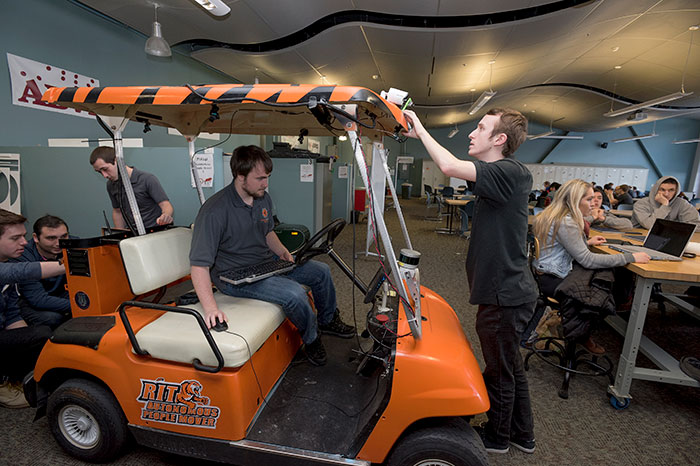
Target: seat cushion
column 156, row 259
column 177, row 337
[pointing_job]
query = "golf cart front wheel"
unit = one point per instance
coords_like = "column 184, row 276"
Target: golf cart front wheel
column 449, row 445
column 86, row 421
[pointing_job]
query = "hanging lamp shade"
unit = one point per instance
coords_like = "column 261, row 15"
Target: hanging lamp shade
column 156, row 45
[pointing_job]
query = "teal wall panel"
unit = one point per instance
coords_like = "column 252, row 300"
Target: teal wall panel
column 60, row 181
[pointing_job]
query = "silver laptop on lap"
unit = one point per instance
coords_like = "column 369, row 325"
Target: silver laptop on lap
column 666, row 241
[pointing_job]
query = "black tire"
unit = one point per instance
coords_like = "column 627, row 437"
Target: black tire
column 86, row 421
column 452, row 444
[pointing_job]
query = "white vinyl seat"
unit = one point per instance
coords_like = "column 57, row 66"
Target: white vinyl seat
column 157, row 259
column 178, row 337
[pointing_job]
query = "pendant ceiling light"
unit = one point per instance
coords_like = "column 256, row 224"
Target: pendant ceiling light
column 156, row 45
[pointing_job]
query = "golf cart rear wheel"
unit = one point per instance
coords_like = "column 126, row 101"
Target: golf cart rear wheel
column 86, row 421
column 450, row 445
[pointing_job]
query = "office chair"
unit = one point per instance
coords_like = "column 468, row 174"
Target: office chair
column 467, row 211
column 557, row 351
column 625, row 207
column 432, row 198
column 537, row 210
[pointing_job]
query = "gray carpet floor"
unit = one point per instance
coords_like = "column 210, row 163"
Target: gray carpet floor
column 660, row 427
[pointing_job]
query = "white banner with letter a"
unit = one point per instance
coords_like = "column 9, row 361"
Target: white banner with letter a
column 30, row 79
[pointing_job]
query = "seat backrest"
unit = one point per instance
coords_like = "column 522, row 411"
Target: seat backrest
column 625, row 207
column 156, row 259
column 448, row 191
column 428, row 189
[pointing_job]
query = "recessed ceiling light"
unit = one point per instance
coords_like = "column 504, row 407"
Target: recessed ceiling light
column 618, row 67
column 492, row 62
column 694, row 27
column 375, row 76
column 615, row 49
column 473, row 89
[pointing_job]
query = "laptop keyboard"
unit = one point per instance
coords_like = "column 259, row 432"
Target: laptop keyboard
column 253, row 273
column 654, row 255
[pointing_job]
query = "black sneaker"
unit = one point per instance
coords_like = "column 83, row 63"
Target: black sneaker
column 337, row 327
column 528, row 446
column 315, row 352
column 489, row 445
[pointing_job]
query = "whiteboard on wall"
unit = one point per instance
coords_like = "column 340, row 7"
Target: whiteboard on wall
column 632, row 176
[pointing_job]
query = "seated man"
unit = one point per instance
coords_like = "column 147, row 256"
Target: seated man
column 44, row 302
column 663, row 202
column 600, row 216
column 19, row 345
column 622, row 196
column 234, row 229
column 154, row 206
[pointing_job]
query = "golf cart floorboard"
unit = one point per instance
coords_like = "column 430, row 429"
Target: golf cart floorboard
column 322, row 408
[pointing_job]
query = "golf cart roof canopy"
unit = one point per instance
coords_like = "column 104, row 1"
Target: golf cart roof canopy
column 275, row 109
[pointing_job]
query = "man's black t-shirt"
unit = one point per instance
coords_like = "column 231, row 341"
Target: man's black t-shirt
column 497, row 267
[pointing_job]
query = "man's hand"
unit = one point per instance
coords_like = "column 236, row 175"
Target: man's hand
column 287, row 256
column 211, row 317
column 414, row 124
column 596, row 240
column 164, row 219
column 661, row 199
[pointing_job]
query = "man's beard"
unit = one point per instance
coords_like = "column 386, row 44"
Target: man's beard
column 253, row 194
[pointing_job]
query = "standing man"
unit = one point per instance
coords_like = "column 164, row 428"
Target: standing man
column 19, row 345
column 154, row 206
column 234, row 229
column 663, row 202
column 500, row 281
column 45, row 301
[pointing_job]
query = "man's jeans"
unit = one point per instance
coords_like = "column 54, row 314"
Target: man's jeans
column 20, row 348
column 499, row 329
column 286, row 290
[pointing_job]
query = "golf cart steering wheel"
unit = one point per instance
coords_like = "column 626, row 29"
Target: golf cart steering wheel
column 330, row 231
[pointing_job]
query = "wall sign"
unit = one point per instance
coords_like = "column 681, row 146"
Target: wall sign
column 30, row 79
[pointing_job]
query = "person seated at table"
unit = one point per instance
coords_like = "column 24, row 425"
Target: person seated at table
column 663, row 202
column 600, row 216
column 560, row 232
column 608, row 189
column 546, row 197
column 622, row 196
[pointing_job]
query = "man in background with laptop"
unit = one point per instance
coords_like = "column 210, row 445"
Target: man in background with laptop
column 663, row 202
column 234, row 229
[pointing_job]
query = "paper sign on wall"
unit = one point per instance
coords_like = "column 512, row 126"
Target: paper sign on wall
column 30, row 79
column 306, row 173
column 343, row 171
column 204, row 162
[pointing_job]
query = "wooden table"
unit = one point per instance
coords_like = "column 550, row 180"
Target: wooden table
column 452, row 205
column 687, row 272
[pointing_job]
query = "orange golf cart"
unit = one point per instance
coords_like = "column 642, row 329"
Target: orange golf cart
column 134, row 366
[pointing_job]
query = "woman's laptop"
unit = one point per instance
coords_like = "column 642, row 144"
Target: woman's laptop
column 666, row 241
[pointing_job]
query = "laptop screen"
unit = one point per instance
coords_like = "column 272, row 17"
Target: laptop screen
column 669, row 236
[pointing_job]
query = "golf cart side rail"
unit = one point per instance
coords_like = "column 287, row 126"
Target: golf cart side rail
column 182, row 310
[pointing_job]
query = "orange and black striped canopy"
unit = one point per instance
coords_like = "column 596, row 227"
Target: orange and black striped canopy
column 277, row 109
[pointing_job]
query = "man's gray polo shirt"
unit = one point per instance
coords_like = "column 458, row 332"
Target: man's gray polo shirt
column 148, row 192
column 230, row 234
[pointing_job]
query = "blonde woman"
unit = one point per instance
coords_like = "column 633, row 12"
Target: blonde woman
column 560, row 232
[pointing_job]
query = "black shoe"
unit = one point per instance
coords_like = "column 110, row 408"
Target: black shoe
column 315, row 352
column 489, row 445
column 528, row 446
column 337, row 327
column 691, row 366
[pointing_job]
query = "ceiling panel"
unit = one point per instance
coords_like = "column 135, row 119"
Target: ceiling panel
column 574, row 45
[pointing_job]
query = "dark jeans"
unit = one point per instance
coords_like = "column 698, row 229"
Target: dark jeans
column 20, row 349
column 286, row 290
column 499, row 329
column 37, row 317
